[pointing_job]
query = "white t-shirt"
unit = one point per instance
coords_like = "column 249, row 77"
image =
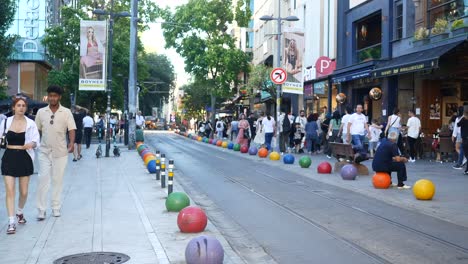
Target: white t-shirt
column 345, row 121
column 88, row 121
column 302, row 120
column 375, row 134
column 395, row 121
column 414, row 124
column 358, row 124
column 268, row 125
column 140, row 120
column 456, row 129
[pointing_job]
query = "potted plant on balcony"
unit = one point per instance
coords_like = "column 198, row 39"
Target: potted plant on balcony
column 421, row 37
column 459, row 27
column 439, row 31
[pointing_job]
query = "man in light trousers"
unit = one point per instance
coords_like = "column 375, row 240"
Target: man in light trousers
column 53, row 121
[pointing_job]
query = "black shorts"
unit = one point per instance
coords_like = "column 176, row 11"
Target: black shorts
column 78, row 136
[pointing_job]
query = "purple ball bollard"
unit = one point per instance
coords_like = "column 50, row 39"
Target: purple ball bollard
column 253, row 150
column 204, row 250
column 348, row 172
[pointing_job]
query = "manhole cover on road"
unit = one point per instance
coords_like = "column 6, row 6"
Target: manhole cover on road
column 94, row 258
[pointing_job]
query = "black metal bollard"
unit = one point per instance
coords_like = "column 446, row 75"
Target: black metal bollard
column 170, row 175
column 158, row 165
column 163, row 171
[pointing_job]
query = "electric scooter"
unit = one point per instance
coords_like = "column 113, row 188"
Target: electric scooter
column 99, row 149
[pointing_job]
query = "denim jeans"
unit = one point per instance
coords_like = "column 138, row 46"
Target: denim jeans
column 219, row 134
column 268, row 138
column 461, row 156
column 311, row 142
column 358, row 143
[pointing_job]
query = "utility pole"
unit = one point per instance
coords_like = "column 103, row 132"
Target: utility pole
column 132, row 82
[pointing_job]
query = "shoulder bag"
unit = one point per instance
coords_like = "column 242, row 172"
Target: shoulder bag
column 3, row 141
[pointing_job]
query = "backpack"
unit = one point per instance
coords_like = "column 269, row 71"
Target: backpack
column 286, row 124
column 218, row 125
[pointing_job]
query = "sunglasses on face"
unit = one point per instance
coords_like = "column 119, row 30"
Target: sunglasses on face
column 52, row 119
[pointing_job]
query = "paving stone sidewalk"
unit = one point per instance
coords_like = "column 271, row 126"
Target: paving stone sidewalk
column 109, row 204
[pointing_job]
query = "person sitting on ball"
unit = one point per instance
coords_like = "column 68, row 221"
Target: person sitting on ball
column 388, row 159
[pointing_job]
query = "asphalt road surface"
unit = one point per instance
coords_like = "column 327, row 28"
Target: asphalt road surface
column 295, row 219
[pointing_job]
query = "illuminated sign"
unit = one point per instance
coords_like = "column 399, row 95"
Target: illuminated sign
column 402, row 69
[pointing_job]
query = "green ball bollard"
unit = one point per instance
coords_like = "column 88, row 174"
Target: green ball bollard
column 177, row 201
column 305, row 162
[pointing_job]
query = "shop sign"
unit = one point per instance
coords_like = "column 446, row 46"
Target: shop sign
column 324, row 66
column 319, row 87
column 405, row 68
column 293, row 87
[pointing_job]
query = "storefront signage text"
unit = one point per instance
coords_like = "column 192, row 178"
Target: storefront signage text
column 31, row 26
column 405, row 69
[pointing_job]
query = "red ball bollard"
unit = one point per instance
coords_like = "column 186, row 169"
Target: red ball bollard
column 244, row 149
column 324, row 168
column 192, row 219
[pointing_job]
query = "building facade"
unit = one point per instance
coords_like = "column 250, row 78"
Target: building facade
column 29, row 66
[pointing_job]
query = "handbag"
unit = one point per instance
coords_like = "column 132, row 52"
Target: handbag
column 3, row 143
column 246, row 134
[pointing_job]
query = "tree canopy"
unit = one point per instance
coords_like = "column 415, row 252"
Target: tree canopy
column 67, row 58
column 7, row 11
column 198, row 31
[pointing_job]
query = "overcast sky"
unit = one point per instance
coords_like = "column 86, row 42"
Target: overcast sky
column 153, row 41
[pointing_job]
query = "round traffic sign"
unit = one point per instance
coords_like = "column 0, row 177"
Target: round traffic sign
column 278, row 75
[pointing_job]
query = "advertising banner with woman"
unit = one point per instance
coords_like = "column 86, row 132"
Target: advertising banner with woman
column 292, row 60
column 93, row 41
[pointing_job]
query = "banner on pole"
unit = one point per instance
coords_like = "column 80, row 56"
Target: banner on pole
column 293, row 52
column 93, row 55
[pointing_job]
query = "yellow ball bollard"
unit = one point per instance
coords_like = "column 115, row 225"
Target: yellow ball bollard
column 424, row 189
column 225, row 144
column 275, row 156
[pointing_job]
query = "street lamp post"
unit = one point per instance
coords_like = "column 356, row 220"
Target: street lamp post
column 111, row 15
column 278, row 64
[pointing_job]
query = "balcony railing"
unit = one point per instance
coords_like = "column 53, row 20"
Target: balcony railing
column 369, row 53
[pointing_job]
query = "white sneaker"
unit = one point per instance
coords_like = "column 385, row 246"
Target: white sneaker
column 41, row 215
column 404, row 187
column 56, row 212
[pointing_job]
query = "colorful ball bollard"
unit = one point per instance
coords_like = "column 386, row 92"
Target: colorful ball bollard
column 151, row 166
column 275, row 156
column 141, row 148
column 230, row 145
column 288, row 159
column 225, row 144
column 142, row 154
column 204, row 250
column 177, row 201
column 199, row 139
column 263, row 152
column 253, row 150
column 214, row 142
column 192, row 219
column 324, row 168
column 381, row 180
column 424, row 189
column 236, row 147
column 348, row 172
column 219, row 143
column 244, row 149
column 210, row 141
column 148, row 159
column 204, row 139
column 305, row 162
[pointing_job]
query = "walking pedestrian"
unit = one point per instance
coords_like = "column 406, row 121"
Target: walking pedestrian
column 414, row 129
column 139, row 121
column 219, row 129
column 286, row 120
column 463, row 124
column 88, row 124
column 302, row 120
column 22, row 138
column 100, row 128
column 253, row 126
column 456, row 137
column 53, row 121
column 244, row 131
column 311, row 133
column 394, row 124
column 344, row 125
column 388, row 159
column 333, row 131
column 234, row 128
column 78, row 116
column 268, row 124
column 260, row 133
column 357, row 129
column 375, row 129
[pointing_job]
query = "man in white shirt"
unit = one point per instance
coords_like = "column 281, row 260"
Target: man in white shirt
column 219, row 129
column 88, row 124
column 140, row 120
column 357, row 129
column 414, row 128
column 302, row 120
column 344, row 125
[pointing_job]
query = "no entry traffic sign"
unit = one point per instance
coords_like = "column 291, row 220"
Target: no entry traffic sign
column 278, row 75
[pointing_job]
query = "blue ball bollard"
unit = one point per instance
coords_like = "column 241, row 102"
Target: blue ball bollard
column 230, row 145
column 288, row 159
column 348, row 172
column 151, row 166
column 204, row 250
column 214, row 142
column 253, row 150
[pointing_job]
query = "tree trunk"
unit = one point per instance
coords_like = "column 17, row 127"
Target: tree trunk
column 213, row 111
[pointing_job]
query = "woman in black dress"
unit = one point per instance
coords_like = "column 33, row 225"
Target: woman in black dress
column 17, row 162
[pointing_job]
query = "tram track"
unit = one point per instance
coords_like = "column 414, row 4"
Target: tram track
column 318, row 222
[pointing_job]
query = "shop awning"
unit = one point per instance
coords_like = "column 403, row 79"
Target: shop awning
column 351, row 75
column 413, row 62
